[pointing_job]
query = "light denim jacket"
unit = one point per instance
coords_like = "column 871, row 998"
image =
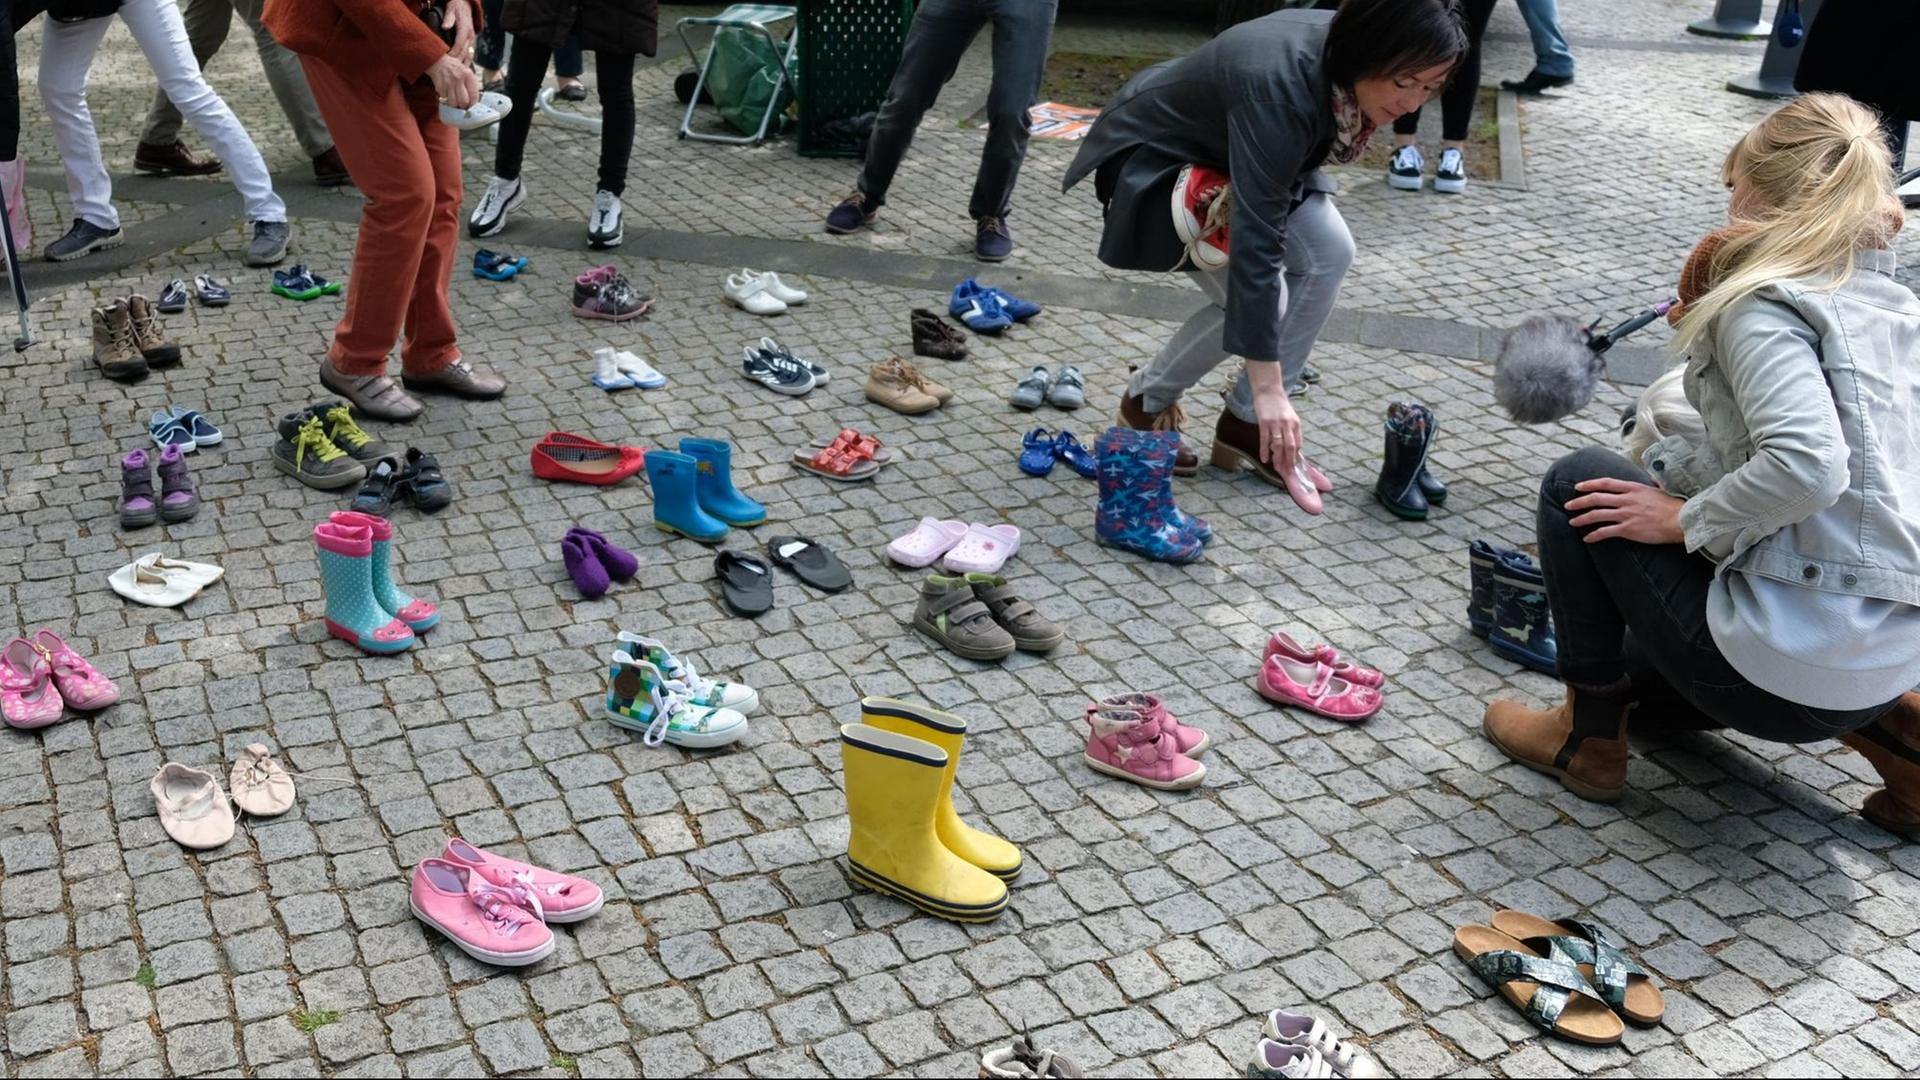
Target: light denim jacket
column 1811, row 469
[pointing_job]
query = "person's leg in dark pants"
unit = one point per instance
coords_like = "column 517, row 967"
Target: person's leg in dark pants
column 490, row 42
column 941, row 32
column 1022, row 31
column 526, row 69
column 615, row 71
column 569, row 63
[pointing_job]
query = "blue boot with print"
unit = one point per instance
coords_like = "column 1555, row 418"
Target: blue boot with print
column 1136, row 496
column 1522, row 623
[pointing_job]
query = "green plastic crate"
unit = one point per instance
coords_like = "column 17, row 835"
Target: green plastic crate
column 848, row 50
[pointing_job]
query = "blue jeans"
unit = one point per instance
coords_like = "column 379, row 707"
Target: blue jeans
column 568, row 62
column 1550, row 53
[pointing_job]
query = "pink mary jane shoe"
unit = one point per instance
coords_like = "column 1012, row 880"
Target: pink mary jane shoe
column 82, row 687
column 1282, row 644
column 1187, row 738
column 1315, row 688
column 27, row 695
column 556, row 898
column 487, row 922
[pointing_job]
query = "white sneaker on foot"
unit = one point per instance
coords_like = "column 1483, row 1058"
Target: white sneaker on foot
column 490, row 215
column 604, row 227
column 1451, row 176
column 1403, row 172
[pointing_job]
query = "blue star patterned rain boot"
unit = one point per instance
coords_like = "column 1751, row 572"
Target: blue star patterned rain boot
column 676, row 502
column 1522, row 622
column 713, row 484
column 1136, row 496
column 346, row 572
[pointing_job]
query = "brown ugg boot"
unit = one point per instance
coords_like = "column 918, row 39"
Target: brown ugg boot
column 1583, row 742
column 1892, row 743
column 1134, row 414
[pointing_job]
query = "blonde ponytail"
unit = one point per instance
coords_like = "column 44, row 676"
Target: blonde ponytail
column 1823, row 184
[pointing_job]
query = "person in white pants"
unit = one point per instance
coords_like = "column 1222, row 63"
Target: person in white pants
column 67, row 52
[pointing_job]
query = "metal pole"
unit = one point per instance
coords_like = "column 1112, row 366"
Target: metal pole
column 1775, row 77
column 1732, row 19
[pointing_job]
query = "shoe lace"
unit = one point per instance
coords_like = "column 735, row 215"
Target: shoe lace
column 992, row 223
column 313, row 437
column 856, row 199
column 1171, row 418
column 145, row 324
column 342, row 428
column 1219, row 202
column 605, row 203
column 669, row 697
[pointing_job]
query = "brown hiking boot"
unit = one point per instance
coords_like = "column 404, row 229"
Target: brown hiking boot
column 113, row 347
column 1590, row 757
column 893, row 384
column 1892, row 743
column 173, row 160
column 1134, row 414
column 148, row 335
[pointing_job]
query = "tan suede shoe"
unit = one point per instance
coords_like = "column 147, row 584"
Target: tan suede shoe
column 1892, row 743
column 893, row 385
column 1592, row 766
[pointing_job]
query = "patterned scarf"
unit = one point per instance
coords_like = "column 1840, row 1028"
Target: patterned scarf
column 1351, row 130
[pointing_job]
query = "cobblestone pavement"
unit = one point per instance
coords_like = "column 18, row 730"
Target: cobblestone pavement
column 1320, row 864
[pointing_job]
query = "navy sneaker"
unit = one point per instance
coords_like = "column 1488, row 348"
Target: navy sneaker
column 1522, row 623
column 992, row 240
column 854, row 213
column 84, row 237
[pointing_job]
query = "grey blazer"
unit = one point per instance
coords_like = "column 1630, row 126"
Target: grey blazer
column 1254, row 102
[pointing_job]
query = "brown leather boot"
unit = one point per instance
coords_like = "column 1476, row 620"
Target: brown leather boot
column 1134, row 414
column 174, row 160
column 113, row 347
column 148, row 335
column 1236, row 445
column 1585, row 745
column 329, row 170
column 1892, row 743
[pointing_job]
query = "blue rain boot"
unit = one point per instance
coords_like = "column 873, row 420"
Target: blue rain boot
column 1136, row 496
column 1522, row 622
column 419, row 615
column 676, row 505
column 713, row 486
column 1482, row 559
column 346, row 573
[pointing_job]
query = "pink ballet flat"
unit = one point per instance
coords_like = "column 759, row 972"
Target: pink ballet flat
column 82, row 687
column 1187, row 738
column 27, row 695
column 1282, row 644
column 1300, row 485
column 1315, row 688
column 1320, row 482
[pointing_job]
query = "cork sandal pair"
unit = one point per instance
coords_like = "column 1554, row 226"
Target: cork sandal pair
column 1568, row 977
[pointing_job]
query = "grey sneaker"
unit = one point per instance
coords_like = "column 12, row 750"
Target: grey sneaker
column 84, row 237
column 1032, row 631
column 1069, row 390
column 269, row 246
column 1032, row 391
column 950, row 614
column 310, row 457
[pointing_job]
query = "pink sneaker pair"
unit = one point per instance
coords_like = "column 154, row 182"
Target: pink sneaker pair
column 1318, row 680
column 496, row 909
column 1132, row 736
column 41, row 677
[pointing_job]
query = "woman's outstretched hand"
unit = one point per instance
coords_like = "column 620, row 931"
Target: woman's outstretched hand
column 1626, row 510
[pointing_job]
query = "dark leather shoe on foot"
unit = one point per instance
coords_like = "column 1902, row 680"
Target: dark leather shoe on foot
column 329, row 170
column 174, row 160
column 1535, row 82
column 459, row 380
column 376, row 396
column 1892, row 744
column 1134, row 414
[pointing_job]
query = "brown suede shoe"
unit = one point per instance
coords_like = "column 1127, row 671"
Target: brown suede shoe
column 1592, row 765
column 329, row 170
column 1892, row 743
column 459, row 380
column 175, row 160
column 1134, row 414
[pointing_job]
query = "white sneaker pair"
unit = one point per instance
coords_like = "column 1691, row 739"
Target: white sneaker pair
column 1449, row 177
column 623, row 371
column 762, row 294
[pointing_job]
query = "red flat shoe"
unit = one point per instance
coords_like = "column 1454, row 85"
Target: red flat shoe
column 566, row 457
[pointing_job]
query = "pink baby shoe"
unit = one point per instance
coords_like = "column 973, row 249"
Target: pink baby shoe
column 556, row 898
column 82, row 687
column 1314, row 687
column 487, row 922
column 27, row 695
column 1282, row 644
column 1133, row 746
column 1190, row 740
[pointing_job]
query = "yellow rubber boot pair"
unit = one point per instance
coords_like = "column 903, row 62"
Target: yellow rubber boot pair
column 905, row 838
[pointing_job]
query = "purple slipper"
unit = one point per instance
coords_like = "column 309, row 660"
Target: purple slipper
column 588, row 574
column 619, row 562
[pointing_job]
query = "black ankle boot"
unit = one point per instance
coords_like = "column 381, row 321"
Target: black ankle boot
column 1409, row 429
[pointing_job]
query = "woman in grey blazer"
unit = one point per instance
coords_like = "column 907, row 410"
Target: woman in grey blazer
column 1266, row 102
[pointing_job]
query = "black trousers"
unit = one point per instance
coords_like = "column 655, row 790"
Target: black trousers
column 1658, row 593
column 527, row 69
column 1456, row 101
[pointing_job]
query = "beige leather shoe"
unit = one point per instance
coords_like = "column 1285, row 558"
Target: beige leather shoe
column 894, row 385
column 460, row 380
column 259, row 785
column 193, row 809
column 373, row 395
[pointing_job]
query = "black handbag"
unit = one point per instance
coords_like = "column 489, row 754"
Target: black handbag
column 433, row 15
